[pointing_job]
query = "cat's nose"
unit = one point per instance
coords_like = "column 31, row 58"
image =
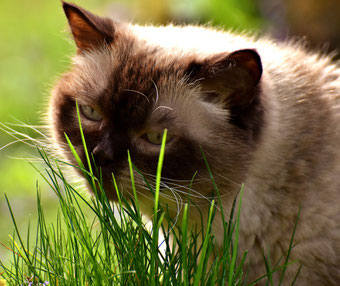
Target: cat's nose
column 103, row 154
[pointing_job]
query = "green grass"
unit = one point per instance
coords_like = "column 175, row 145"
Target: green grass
column 95, row 242
column 109, row 249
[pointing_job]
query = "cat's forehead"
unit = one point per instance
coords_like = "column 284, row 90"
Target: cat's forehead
column 128, row 68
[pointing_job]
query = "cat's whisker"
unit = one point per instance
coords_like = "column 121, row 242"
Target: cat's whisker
column 35, row 128
column 168, row 197
column 25, row 137
column 173, row 198
column 30, row 160
column 182, row 181
column 195, row 179
column 179, row 204
column 177, row 198
column 183, row 192
column 156, row 89
column 229, row 180
column 13, row 142
column 190, row 196
column 140, row 93
column 191, row 191
column 179, row 209
column 163, row 106
column 199, row 195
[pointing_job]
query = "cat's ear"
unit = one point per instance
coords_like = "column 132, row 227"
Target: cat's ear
column 231, row 77
column 89, row 31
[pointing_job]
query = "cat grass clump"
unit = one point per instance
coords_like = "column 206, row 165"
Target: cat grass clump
column 265, row 114
column 90, row 241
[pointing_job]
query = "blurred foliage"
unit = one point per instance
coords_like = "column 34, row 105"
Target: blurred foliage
column 323, row 18
column 236, row 14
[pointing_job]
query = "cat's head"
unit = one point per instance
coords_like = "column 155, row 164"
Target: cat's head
column 129, row 91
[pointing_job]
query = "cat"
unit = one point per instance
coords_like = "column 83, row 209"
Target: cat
column 265, row 114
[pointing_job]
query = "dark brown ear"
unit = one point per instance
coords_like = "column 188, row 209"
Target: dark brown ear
column 89, row 31
column 231, row 77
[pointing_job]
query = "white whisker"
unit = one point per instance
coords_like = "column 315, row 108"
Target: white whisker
column 225, row 178
column 179, row 209
column 35, row 128
column 14, row 142
column 140, row 93
column 33, row 159
column 156, row 88
column 163, row 106
column 196, row 179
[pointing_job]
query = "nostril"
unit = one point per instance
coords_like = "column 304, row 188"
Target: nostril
column 103, row 155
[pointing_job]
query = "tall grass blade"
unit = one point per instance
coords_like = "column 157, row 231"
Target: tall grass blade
column 204, row 252
column 235, row 244
column 155, row 225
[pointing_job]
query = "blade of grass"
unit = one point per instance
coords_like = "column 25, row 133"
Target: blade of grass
column 235, row 245
column 155, row 230
column 290, row 248
column 184, row 264
column 199, row 273
column 133, row 182
column 83, row 139
column 24, row 253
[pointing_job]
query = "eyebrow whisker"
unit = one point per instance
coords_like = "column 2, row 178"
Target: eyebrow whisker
column 163, row 106
column 140, row 93
column 156, row 88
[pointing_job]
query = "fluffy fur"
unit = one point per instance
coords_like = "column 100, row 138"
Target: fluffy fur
column 266, row 114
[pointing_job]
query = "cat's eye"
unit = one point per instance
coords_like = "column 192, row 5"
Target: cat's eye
column 155, row 138
column 90, row 113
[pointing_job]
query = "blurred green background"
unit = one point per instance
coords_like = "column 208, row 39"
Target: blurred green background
column 35, row 48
